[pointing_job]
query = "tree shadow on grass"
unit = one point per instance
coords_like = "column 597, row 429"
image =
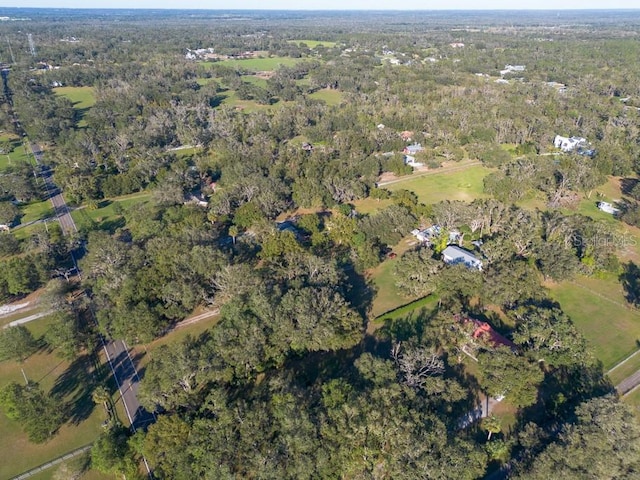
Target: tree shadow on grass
column 630, row 280
column 75, row 386
column 627, row 185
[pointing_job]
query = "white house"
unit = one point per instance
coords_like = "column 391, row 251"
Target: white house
column 608, row 208
column 453, row 255
column 427, row 234
column 413, row 149
column 411, row 161
column 569, row 144
column 512, row 69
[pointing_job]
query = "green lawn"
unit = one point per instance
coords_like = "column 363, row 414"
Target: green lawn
column 369, row 205
column 50, row 473
column 611, row 328
column 71, row 380
column 83, row 98
column 107, row 214
column 260, row 64
column 314, row 43
column 145, row 352
column 248, row 106
column 330, row 97
column 17, row 156
column 634, row 400
column 631, row 366
column 408, row 308
column 36, row 211
column 252, row 79
column 465, row 185
column 388, row 296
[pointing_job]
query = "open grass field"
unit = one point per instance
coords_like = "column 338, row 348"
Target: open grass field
column 36, row 211
column 369, row 205
column 69, row 380
column 388, row 296
column 314, row 43
column 248, row 106
column 598, row 309
column 465, row 185
column 253, row 80
column 633, row 399
column 144, row 353
column 408, row 308
column 330, row 97
column 629, row 367
column 82, row 98
column 259, row 64
column 110, row 212
column 17, row 156
column 50, row 474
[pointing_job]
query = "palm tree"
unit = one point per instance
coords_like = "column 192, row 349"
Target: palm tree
column 491, row 424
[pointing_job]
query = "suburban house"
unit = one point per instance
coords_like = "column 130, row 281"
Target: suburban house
column 560, row 87
column 427, row 234
column 453, row 255
column 569, row 144
column 485, row 333
column 413, row 149
column 411, row 161
column 608, row 208
column 512, row 69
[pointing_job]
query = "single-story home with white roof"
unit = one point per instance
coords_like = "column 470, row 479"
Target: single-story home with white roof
column 453, row 255
column 569, row 144
column 608, row 208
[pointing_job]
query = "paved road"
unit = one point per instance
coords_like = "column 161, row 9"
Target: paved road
column 128, row 382
column 629, row 383
column 60, row 207
column 117, row 353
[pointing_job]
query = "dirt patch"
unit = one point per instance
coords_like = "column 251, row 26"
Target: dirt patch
column 265, row 74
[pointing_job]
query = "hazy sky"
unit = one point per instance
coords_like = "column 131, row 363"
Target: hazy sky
column 330, row 4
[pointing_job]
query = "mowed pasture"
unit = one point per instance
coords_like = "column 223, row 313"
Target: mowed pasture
column 328, row 96
column 82, row 98
column 465, row 184
column 266, row 64
column 314, row 43
column 72, row 382
column 18, row 155
column 388, row 296
column 109, row 215
column 600, row 312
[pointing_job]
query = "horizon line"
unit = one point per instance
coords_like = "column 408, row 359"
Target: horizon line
column 587, row 9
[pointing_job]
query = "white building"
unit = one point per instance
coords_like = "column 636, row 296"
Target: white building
column 569, row 144
column 453, row 255
column 608, row 208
